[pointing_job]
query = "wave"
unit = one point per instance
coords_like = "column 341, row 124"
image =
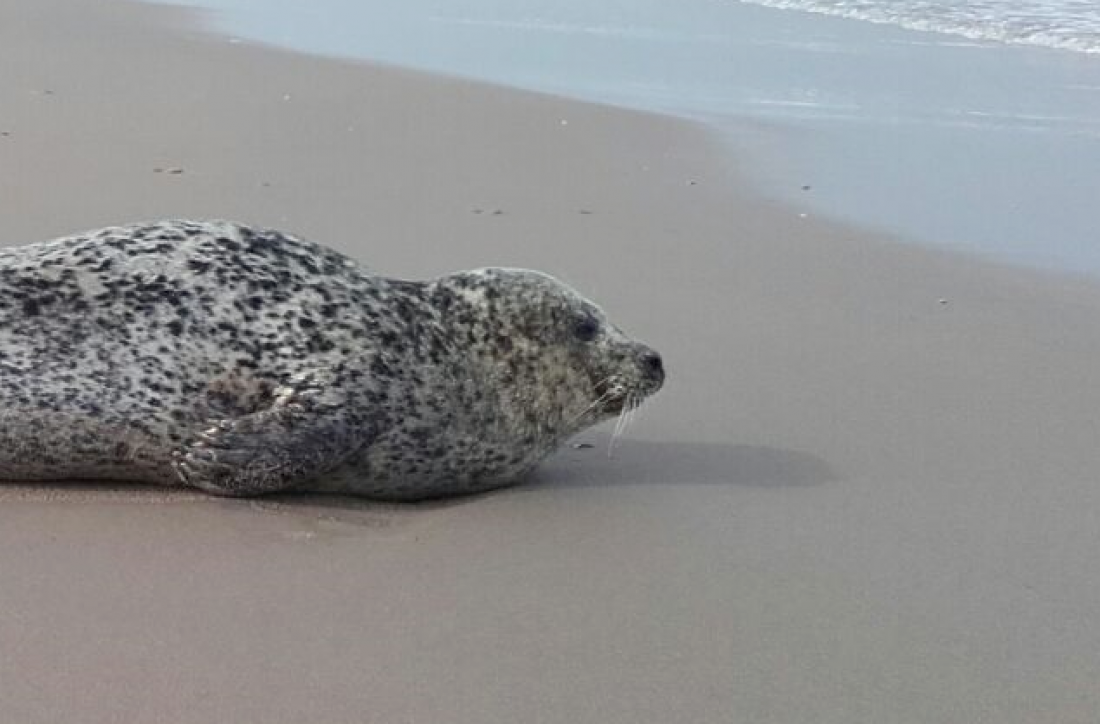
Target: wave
column 1062, row 24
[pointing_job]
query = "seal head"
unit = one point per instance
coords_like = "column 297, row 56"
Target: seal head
column 557, row 361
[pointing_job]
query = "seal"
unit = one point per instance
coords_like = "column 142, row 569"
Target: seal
column 245, row 361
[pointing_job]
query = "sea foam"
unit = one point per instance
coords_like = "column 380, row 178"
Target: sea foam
column 1064, row 24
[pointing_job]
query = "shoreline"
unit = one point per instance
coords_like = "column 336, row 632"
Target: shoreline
column 883, row 123
column 866, row 492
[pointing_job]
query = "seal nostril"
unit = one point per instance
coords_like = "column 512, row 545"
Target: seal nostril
column 653, row 365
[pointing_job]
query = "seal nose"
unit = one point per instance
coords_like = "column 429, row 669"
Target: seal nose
column 653, row 366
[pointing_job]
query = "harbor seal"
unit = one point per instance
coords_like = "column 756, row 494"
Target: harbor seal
column 245, row 361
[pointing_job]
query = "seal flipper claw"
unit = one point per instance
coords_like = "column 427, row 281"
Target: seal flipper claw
column 308, row 431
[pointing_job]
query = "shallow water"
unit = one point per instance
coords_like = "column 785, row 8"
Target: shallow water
column 941, row 138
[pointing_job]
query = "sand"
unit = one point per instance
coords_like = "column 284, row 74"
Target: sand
column 867, row 494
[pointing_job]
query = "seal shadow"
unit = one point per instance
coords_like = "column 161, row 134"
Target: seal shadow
column 315, row 513
column 578, row 465
column 650, row 462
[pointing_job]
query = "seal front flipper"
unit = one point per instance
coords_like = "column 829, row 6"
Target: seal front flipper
column 310, row 428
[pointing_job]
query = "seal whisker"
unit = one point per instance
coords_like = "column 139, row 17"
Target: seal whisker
column 634, row 403
column 595, row 403
column 619, row 426
column 632, row 408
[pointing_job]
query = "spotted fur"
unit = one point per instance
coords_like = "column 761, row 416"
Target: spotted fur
column 243, row 361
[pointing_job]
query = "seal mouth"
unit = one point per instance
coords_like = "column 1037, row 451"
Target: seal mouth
column 613, row 396
column 615, row 405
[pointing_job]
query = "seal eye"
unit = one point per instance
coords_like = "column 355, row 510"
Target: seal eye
column 586, row 329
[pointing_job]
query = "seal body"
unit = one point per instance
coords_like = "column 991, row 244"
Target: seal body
column 244, row 361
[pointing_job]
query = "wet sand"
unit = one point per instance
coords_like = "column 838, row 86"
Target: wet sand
column 867, row 493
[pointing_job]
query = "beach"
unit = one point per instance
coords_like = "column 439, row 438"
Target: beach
column 867, row 492
column 883, row 122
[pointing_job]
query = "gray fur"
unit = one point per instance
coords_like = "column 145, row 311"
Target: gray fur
column 245, row 361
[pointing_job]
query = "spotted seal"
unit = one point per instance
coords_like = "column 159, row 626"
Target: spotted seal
column 245, row 361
